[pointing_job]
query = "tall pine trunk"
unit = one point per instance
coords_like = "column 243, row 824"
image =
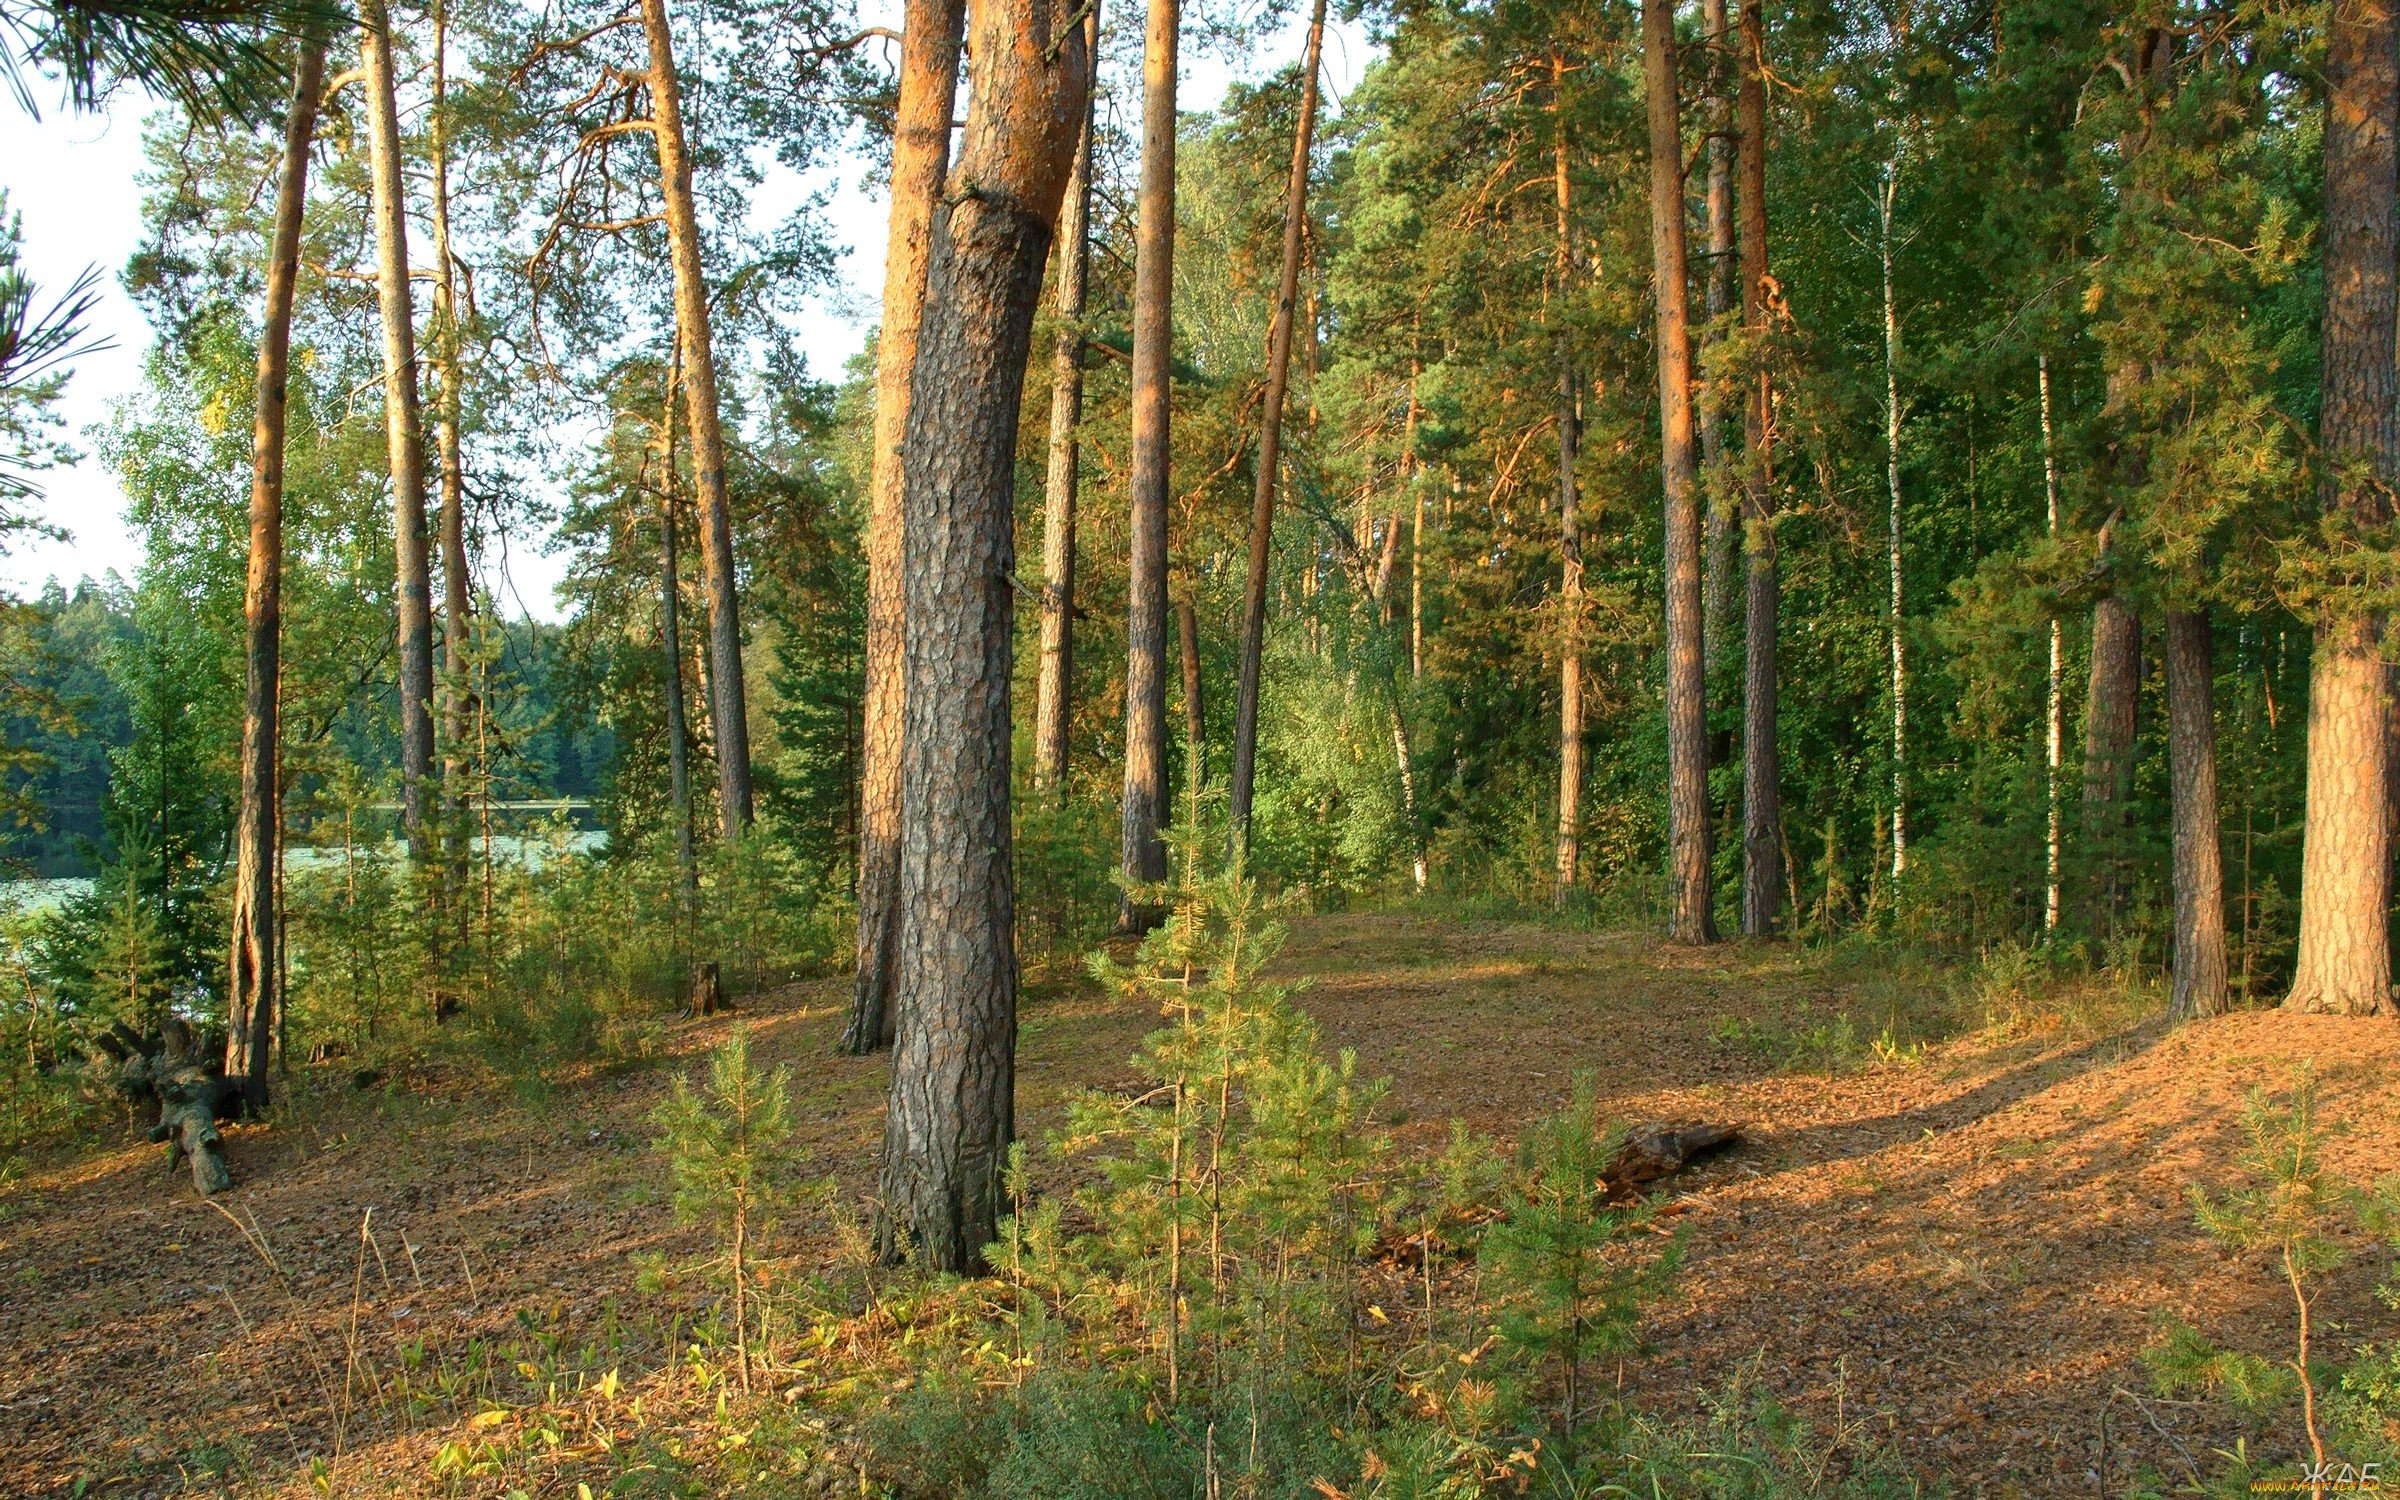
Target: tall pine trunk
column 1694, row 920
column 1270, row 438
column 256, row 994
column 952, row 1111
column 929, row 49
column 451, row 523
column 1886, row 195
column 1054, row 696
column 1570, row 540
column 1716, row 583
column 1143, row 850
column 670, row 640
column 404, row 436
column 1763, row 875
column 728, row 703
column 2199, row 862
column 2344, row 964
column 2108, row 729
column 1195, row 722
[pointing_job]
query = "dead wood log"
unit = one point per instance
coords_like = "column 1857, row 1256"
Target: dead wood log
column 183, row 1069
column 1659, row 1150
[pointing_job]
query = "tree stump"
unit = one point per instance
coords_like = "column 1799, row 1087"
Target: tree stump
column 706, row 996
column 1659, row 1150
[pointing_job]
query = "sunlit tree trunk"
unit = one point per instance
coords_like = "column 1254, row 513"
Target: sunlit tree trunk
column 257, row 997
column 2344, row 964
column 403, row 432
column 1570, row 541
column 1270, row 439
column 1055, row 689
column 2108, row 729
column 929, row 50
column 952, row 1112
column 1195, row 722
column 451, row 525
column 1716, row 584
column 1763, row 873
column 670, row 640
column 2199, row 867
column 728, row 702
column 2055, row 705
column 1687, row 710
column 1144, row 852
column 1886, row 193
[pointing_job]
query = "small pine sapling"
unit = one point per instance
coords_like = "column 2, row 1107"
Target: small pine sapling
column 731, row 1151
column 1570, row 1286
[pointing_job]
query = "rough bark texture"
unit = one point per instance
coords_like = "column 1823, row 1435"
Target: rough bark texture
column 1143, row 851
column 1570, row 541
column 728, row 704
column 1195, row 722
column 952, row 1111
column 920, row 159
column 256, row 996
column 1763, row 875
column 1716, row 587
column 1270, row 438
column 1687, row 708
column 1055, row 688
column 2344, row 963
column 670, row 640
column 451, row 511
column 404, row 436
column 2108, row 750
column 2200, row 975
column 2054, row 725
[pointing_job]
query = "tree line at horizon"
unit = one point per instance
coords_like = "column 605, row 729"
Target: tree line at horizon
column 1912, row 471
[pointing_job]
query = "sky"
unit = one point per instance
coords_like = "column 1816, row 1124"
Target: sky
column 73, row 178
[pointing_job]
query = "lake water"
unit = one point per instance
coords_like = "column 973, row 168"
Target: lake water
column 507, row 848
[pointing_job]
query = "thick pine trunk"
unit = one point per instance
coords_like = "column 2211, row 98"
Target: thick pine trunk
column 2344, row 963
column 1763, row 875
column 2108, row 750
column 1270, row 439
column 1055, row 688
column 929, row 51
column 1143, row 851
column 2200, row 974
column 256, row 993
column 952, row 1111
column 1716, row 587
column 404, row 437
column 1687, row 709
column 728, row 704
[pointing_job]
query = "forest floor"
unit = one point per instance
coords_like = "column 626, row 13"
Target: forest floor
column 1953, row 1247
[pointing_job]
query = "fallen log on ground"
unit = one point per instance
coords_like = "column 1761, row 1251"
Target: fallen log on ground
column 184, row 1070
column 1659, row 1150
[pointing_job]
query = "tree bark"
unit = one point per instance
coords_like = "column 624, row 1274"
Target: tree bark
column 2108, row 727
column 1195, row 723
column 1716, row 587
column 728, row 703
column 952, row 1112
column 457, row 595
column 2199, row 867
column 1687, row 708
column 1144, row 852
column 256, row 994
column 2344, row 965
column 929, row 48
column 1763, row 877
column 1570, row 540
column 1886, row 194
column 404, row 437
column 2055, row 703
column 1270, row 438
column 1055, row 689
column 670, row 639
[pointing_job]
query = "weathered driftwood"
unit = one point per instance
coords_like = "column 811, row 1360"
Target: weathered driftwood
column 184, row 1071
column 1659, row 1150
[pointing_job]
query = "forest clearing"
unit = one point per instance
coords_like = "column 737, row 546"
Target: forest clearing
column 1947, row 1261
